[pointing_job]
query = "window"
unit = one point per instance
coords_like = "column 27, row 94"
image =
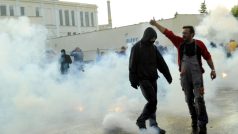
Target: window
column 92, row 20
column 11, row 10
column 37, row 12
column 66, row 13
column 3, row 10
column 61, row 17
column 73, row 19
column 69, row 33
column 22, row 11
column 131, row 40
column 127, row 41
column 74, row 33
column 87, row 18
column 81, row 19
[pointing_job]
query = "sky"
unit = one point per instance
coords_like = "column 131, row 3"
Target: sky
column 127, row 12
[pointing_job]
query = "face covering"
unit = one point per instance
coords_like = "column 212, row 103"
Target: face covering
column 152, row 42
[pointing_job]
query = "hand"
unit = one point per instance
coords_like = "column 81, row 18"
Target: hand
column 153, row 22
column 170, row 80
column 202, row 91
column 134, row 85
column 213, row 74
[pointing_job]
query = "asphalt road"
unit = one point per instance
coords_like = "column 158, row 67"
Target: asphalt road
column 223, row 118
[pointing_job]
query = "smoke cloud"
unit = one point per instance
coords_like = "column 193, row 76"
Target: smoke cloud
column 218, row 26
column 35, row 98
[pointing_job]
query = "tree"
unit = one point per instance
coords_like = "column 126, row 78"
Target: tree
column 234, row 11
column 203, row 9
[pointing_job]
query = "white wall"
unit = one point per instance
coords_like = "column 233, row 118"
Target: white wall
column 117, row 37
column 89, row 42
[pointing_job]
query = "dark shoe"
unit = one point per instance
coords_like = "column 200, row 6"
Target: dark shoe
column 202, row 130
column 141, row 125
column 160, row 130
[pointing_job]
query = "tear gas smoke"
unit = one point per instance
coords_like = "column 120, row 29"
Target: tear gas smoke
column 35, row 98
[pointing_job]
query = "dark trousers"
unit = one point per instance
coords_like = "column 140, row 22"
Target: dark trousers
column 149, row 91
column 64, row 68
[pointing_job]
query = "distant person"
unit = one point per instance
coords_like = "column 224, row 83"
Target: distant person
column 77, row 53
column 213, row 45
column 122, row 51
column 145, row 59
column 65, row 60
column 190, row 53
column 231, row 48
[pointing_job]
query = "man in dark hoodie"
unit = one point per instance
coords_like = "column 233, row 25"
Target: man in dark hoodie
column 145, row 59
column 65, row 60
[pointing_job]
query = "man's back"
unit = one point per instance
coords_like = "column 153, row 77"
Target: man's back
column 147, row 61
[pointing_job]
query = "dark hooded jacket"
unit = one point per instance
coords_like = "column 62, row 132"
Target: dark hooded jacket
column 145, row 59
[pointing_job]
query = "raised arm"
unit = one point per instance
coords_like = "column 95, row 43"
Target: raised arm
column 157, row 25
column 176, row 40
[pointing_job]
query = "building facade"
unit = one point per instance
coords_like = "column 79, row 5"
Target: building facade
column 60, row 18
column 115, row 38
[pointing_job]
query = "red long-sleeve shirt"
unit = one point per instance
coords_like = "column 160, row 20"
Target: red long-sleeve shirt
column 178, row 41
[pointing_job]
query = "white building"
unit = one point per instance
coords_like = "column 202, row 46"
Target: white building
column 60, row 18
column 113, row 39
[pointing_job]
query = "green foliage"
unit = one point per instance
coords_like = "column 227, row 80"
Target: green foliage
column 203, row 9
column 234, row 11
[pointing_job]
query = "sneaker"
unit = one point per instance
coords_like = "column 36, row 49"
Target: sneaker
column 160, row 130
column 141, row 125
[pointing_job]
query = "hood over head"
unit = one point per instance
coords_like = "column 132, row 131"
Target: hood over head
column 149, row 34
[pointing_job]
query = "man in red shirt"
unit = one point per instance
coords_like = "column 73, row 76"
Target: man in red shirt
column 190, row 52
